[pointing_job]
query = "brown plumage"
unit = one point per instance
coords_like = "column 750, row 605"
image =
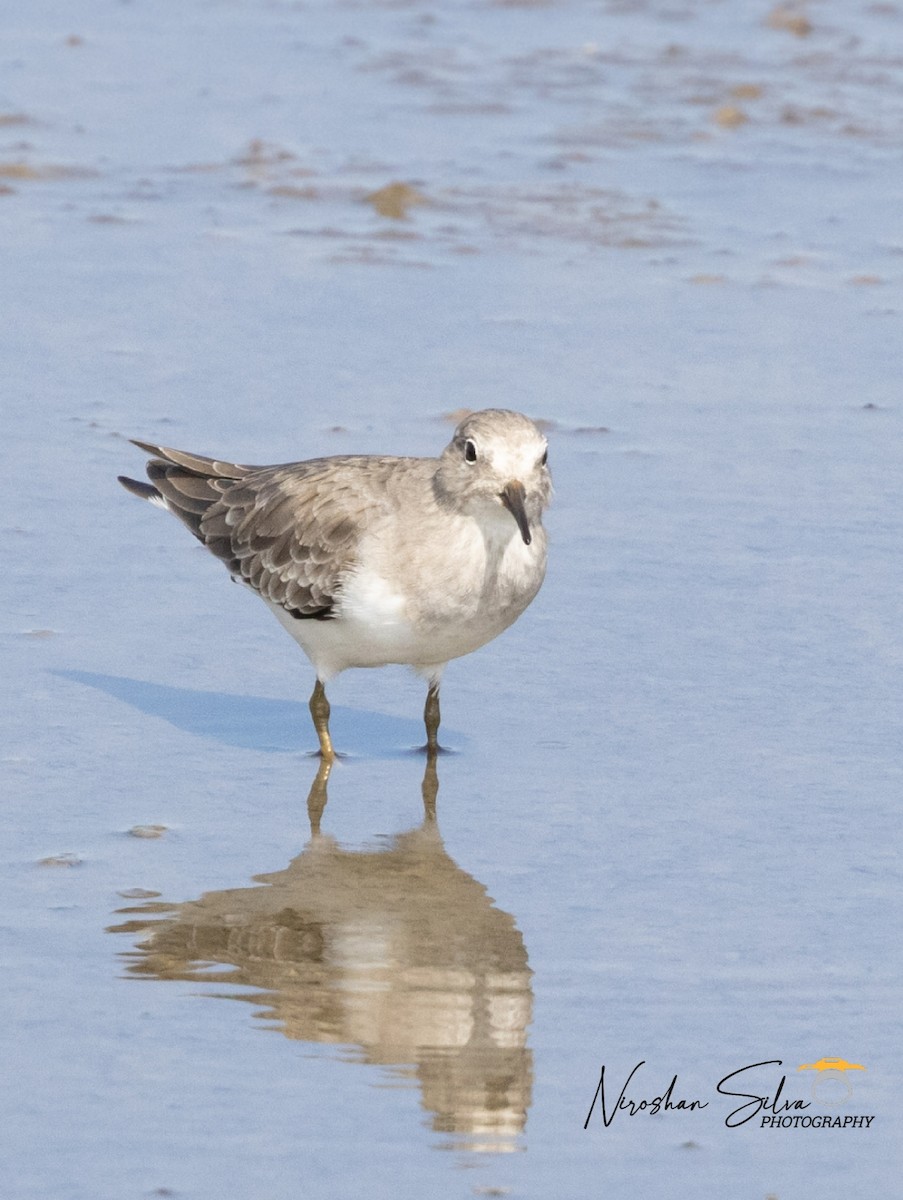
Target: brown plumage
column 284, row 530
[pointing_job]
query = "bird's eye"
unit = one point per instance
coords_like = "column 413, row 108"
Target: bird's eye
column 470, row 451
column 545, row 458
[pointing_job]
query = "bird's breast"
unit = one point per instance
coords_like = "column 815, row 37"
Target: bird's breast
column 401, row 602
column 464, row 578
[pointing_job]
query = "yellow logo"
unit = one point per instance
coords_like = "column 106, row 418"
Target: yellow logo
column 831, row 1085
column 831, row 1064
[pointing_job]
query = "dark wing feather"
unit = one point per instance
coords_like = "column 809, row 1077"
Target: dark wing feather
column 290, row 532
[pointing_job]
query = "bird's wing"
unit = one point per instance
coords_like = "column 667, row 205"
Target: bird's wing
column 290, row 532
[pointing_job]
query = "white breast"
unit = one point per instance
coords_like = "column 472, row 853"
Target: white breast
column 402, row 604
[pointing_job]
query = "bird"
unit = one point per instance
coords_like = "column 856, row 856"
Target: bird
column 368, row 560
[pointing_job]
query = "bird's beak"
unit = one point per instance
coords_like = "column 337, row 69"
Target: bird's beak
column 513, row 497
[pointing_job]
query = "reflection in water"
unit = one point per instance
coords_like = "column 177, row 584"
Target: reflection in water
column 397, row 951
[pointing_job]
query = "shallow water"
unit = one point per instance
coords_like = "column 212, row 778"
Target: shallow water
column 668, row 830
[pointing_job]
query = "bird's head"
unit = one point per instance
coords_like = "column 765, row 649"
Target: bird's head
column 497, row 462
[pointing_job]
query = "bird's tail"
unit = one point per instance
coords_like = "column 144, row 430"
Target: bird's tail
column 144, row 491
column 184, row 484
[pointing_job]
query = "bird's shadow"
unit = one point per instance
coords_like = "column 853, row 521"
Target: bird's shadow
column 256, row 723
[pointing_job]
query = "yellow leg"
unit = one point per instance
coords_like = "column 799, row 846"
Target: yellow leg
column 319, row 710
column 431, row 718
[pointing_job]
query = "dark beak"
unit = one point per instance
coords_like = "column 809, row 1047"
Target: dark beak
column 513, row 497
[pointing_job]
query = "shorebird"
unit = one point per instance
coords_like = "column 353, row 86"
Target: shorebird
column 369, row 559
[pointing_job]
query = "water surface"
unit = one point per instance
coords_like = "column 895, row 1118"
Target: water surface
column 668, row 831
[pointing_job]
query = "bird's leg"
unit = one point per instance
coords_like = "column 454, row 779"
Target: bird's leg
column 319, row 711
column 431, row 718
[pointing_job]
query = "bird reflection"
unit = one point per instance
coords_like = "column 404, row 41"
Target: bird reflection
column 396, row 951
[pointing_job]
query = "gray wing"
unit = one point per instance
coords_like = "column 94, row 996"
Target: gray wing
column 290, row 532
